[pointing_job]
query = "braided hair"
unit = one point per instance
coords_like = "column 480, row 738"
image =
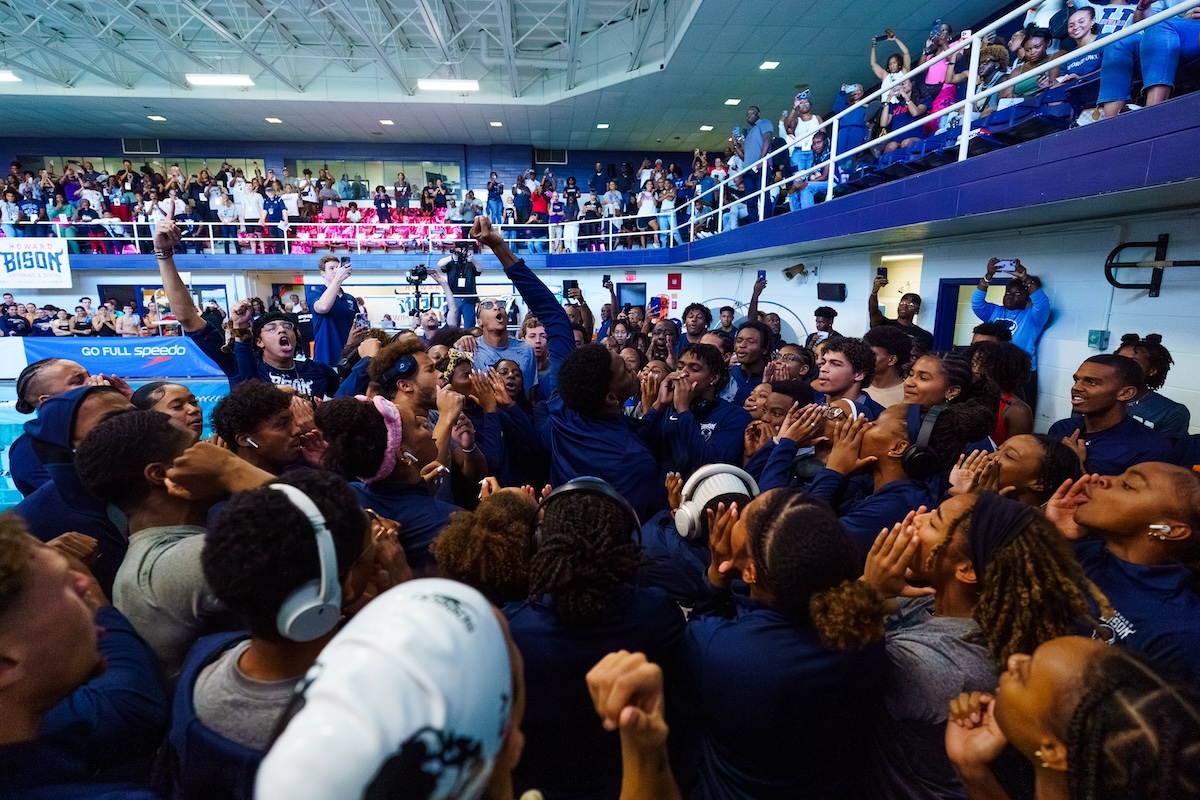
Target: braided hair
column 585, row 554
column 1032, row 591
column 1152, row 348
column 1059, row 463
column 813, row 578
column 1133, row 735
column 29, row 386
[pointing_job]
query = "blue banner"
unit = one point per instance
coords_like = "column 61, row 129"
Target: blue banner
column 128, row 357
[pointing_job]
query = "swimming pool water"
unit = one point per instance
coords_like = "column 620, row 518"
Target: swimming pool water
column 207, row 390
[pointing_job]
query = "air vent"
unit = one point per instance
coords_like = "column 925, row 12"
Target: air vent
column 140, row 147
column 549, row 156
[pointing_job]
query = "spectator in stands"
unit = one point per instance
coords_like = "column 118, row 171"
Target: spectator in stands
column 1150, row 408
column 757, row 143
column 1159, row 49
column 1025, row 312
column 13, row 323
column 852, row 130
column 1083, row 28
column 1037, row 53
column 696, row 321
column 173, row 399
column 805, row 190
column 83, row 713
column 824, row 316
column 897, row 65
column 907, row 104
column 906, row 312
column 937, row 83
column 1107, row 440
column 893, row 353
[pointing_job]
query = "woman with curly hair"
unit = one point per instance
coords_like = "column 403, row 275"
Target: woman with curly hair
column 488, row 548
column 582, row 605
column 800, row 657
column 1005, row 581
column 1007, row 366
column 1095, row 722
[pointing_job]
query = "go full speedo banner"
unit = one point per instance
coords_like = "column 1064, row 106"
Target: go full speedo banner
column 35, row 263
column 128, row 357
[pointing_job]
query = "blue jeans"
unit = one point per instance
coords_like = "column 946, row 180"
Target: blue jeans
column 737, row 211
column 806, row 197
column 495, row 210
column 11, row 232
column 665, row 223
column 801, row 159
column 1159, row 49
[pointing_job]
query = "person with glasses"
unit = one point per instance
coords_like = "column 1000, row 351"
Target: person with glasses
column 267, row 351
column 495, row 343
column 993, row 68
column 906, row 311
column 1025, row 312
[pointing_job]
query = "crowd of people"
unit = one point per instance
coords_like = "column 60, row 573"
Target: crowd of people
column 611, row 556
column 655, row 204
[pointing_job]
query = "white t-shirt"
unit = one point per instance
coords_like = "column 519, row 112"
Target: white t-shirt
column 805, row 130
column 646, row 205
column 291, row 201
column 252, row 207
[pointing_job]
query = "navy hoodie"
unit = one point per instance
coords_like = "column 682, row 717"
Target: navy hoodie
column 63, row 504
column 607, row 447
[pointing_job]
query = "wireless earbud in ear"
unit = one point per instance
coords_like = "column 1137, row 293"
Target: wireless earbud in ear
column 251, row 442
column 1160, row 531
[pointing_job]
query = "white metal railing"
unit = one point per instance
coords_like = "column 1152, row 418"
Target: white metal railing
column 973, row 94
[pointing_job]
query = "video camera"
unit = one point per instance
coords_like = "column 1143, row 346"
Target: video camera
column 417, row 275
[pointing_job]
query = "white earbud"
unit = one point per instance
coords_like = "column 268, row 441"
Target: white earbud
column 251, row 442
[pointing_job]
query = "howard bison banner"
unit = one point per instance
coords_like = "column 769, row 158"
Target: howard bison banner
column 131, row 357
column 35, row 263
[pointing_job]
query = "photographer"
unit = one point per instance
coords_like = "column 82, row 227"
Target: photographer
column 1025, row 312
column 461, row 269
column 333, row 309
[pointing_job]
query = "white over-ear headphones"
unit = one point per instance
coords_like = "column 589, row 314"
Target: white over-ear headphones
column 707, row 483
column 312, row 610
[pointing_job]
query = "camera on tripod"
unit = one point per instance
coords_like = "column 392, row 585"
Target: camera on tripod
column 417, row 275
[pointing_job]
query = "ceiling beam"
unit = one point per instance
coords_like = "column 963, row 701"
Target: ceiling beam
column 322, row 34
column 157, row 31
column 573, row 34
column 120, row 46
column 13, row 63
column 349, row 16
column 217, row 27
column 507, row 36
column 645, row 18
column 268, row 15
column 49, row 45
column 434, row 26
column 395, row 28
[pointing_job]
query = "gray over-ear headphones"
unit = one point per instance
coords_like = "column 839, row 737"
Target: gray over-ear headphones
column 312, row 610
column 707, row 483
column 585, row 485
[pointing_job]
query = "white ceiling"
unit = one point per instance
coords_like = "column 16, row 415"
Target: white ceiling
column 331, row 69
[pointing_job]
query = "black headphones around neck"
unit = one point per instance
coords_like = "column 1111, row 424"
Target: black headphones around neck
column 920, row 462
column 584, row 485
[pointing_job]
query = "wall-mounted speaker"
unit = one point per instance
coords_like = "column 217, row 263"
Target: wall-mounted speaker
column 835, row 292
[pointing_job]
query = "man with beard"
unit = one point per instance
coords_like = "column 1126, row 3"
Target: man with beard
column 495, row 344
column 273, row 356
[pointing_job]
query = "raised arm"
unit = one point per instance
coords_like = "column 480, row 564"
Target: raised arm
column 752, row 309
column 166, row 237
column 879, row 71
column 453, row 311
column 329, row 296
column 876, row 316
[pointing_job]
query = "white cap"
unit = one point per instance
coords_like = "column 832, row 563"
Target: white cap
column 415, row 691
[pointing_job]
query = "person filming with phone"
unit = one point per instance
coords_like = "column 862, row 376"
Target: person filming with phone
column 333, row 309
column 1025, row 311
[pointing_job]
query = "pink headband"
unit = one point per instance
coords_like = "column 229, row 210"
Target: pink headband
column 395, row 434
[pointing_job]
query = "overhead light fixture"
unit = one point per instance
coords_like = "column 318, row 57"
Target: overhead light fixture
column 706, row 127
column 274, row 120
column 156, row 118
column 768, row 65
column 903, row 257
column 201, row 79
column 602, row 126
column 7, row 76
column 496, row 124
column 733, row 101
column 447, row 85
column 386, row 122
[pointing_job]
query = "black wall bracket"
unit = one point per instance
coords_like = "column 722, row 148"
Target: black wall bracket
column 1159, row 263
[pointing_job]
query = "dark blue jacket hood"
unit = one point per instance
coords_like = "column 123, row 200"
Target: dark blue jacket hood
column 56, row 417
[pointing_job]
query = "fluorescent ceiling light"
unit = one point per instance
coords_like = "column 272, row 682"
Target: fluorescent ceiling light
column 7, row 76
column 706, row 127
column 733, row 101
column 447, row 85
column 219, row 80
column 156, row 118
column 602, row 126
column 386, row 122
column 274, row 120
column 768, row 65
column 904, row 257
column 496, row 124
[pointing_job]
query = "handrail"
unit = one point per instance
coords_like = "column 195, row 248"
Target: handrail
column 973, row 95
